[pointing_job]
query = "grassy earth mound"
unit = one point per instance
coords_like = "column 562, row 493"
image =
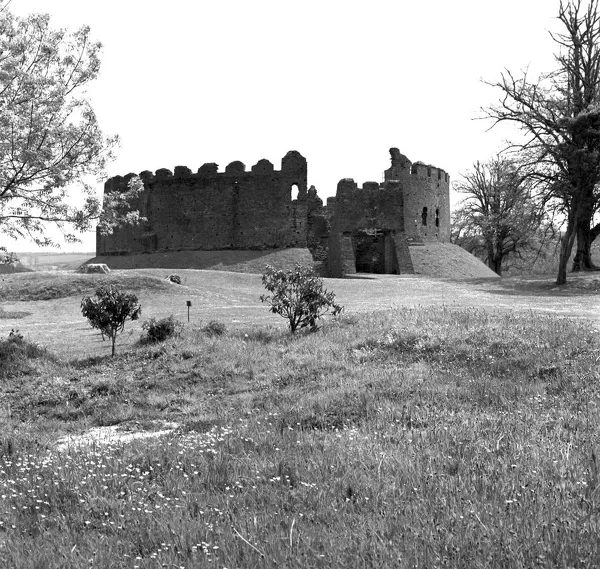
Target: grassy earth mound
column 222, row 260
column 442, row 260
column 33, row 286
column 445, row 260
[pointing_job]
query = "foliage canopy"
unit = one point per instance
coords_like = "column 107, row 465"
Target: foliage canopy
column 50, row 140
column 109, row 311
column 298, row 295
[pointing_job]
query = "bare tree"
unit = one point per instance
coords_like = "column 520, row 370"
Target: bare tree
column 498, row 217
column 559, row 113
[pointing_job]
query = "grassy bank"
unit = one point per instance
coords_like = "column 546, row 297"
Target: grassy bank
column 428, row 437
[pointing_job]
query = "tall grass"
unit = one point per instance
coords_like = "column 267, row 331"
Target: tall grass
column 411, row 438
column 16, row 354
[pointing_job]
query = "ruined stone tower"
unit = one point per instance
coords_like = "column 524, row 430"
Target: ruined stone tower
column 373, row 227
column 426, row 192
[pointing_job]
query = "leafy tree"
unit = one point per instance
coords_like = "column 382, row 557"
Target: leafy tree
column 559, row 114
column 50, row 141
column 298, row 295
column 109, row 311
column 498, row 218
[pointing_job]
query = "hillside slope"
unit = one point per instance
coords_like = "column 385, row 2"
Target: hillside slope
column 445, row 260
column 223, row 260
column 442, row 260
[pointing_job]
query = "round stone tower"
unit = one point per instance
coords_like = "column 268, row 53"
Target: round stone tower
column 426, row 192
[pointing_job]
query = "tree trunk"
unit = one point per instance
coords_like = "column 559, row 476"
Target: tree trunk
column 497, row 265
column 565, row 250
column 585, row 237
column 495, row 256
column 492, row 258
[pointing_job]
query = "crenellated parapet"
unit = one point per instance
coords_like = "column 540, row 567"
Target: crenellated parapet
column 293, row 165
column 402, row 167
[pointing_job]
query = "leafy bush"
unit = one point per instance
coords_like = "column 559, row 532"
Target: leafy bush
column 109, row 311
column 215, row 328
column 298, row 295
column 161, row 330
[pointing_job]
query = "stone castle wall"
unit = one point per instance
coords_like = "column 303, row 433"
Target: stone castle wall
column 234, row 209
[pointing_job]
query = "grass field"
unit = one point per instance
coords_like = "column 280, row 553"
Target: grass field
column 434, row 424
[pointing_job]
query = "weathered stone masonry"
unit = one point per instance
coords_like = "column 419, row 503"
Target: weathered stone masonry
column 368, row 229
column 207, row 210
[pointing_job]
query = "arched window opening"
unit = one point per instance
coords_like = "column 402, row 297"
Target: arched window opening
column 424, row 216
column 437, row 217
column 295, row 190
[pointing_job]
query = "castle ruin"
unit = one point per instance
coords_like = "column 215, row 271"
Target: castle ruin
column 367, row 229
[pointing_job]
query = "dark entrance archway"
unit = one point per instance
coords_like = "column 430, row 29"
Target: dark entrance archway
column 370, row 251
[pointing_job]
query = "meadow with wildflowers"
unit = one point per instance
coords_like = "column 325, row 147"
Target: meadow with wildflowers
column 430, row 436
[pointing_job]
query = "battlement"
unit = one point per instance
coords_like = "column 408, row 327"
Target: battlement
column 402, row 167
column 422, row 170
column 293, row 164
column 346, row 185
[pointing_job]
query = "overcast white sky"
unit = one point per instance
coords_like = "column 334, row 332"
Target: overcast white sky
column 184, row 82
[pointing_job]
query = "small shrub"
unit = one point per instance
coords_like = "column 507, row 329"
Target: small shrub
column 215, row 328
column 15, row 336
column 298, row 295
column 161, row 330
column 109, row 311
column 15, row 353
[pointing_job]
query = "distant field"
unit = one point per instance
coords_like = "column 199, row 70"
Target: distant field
column 54, row 261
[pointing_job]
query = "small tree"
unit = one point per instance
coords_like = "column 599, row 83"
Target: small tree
column 109, row 311
column 298, row 295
